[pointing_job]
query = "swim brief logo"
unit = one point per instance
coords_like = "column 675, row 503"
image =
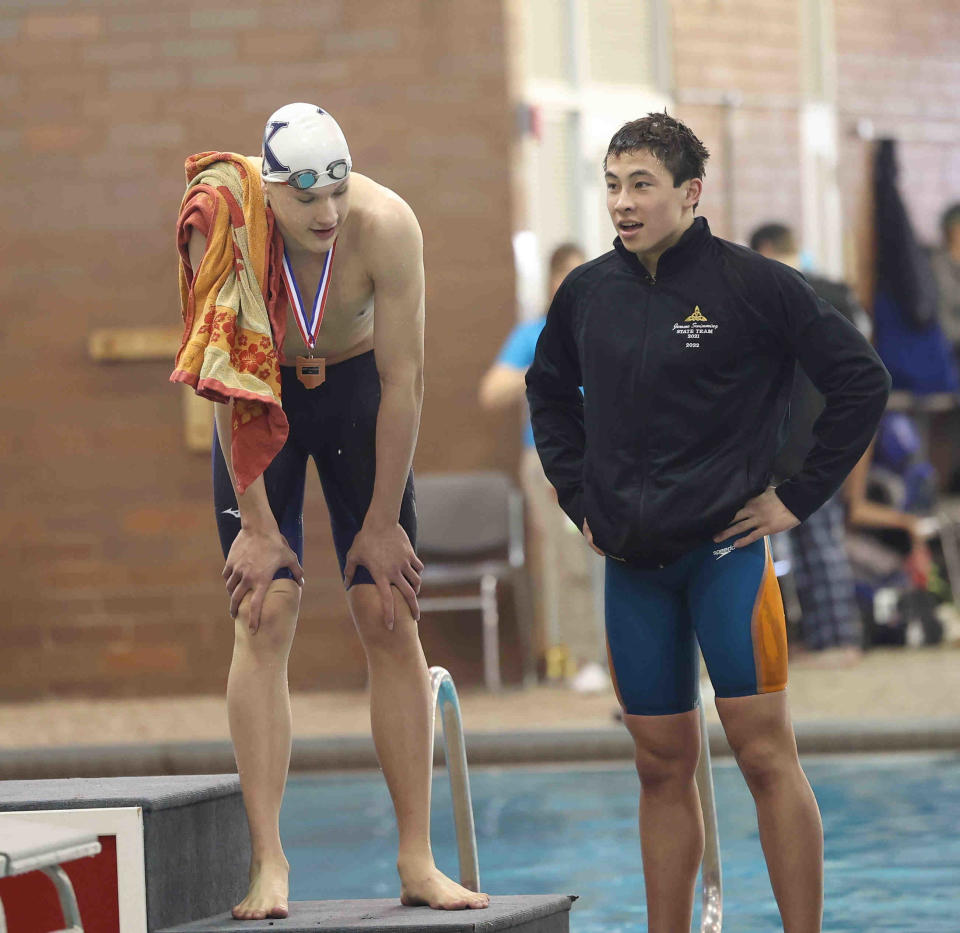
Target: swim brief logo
column 723, row 551
column 696, row 317
column 234, row 512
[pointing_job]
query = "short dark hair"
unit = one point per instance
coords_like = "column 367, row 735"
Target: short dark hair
column 950, row 218
column 669, row 140
column 779, row 237
column 561, row 254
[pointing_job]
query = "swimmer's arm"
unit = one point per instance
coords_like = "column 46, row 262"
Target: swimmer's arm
column 259, row 549
column 254, row 509
column 255, row 514
column 502, row 385
column 556, row 406
column 397, row 267
column 382, row 545
column 846, row 370
column 196, row 249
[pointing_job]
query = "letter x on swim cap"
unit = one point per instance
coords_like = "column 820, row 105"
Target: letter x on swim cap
column 304, row 147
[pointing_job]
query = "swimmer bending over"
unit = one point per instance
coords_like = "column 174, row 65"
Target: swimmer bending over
column 359, row 422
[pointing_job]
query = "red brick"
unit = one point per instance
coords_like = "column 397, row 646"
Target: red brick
column 117, row 52
column 35, row 59
column 316, row 77
column 312, row 16
column 22, row 638
column 98, row 631
column 266, row 47
column 225, row 18
column 236, row 75
column 152, row 23
column 361, row 41
column 164, row 78
column 62, row 26
column 126, row 660
column 151, row 135
column 55, row 138
column 200, row 49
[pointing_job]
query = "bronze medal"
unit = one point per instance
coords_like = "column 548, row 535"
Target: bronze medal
column 311, row 371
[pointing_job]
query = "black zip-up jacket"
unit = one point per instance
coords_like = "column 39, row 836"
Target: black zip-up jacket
column 686, row 381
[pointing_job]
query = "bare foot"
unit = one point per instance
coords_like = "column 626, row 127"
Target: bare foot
column 267, row 897
column 434, row 889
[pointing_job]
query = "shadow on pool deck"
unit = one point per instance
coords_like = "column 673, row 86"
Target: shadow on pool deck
column 891, row 700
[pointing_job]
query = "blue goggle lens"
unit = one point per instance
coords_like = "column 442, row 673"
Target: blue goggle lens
column 303, row 180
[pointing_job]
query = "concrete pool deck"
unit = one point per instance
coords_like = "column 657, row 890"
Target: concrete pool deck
column 892, row 699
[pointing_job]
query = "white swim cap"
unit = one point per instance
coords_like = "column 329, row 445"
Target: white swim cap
column 304, row 147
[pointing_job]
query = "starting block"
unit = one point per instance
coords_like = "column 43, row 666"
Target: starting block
column 181, row 843
column 182, row 853
column 546, row 913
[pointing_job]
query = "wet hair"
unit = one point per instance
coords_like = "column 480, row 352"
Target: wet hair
column 669, row 140
column 778, row 237
column 561, row 254
column 949, row 219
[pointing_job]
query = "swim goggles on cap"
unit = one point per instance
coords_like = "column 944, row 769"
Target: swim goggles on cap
column 308, row 177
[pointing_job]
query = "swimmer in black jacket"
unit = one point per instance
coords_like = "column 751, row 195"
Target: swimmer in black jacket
column 685, row 346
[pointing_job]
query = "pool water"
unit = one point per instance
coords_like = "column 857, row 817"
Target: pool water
column 891, row 825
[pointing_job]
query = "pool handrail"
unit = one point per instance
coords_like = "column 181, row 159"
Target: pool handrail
column 711, row 919
column 455, row 750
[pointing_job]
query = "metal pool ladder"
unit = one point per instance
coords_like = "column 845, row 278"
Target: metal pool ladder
column 455, row 750
column 712, row 915
column 445, row 699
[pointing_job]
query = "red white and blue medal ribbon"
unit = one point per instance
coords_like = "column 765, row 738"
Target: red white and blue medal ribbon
column 309, row 326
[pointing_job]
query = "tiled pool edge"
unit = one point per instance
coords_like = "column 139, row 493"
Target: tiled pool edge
column 335, row 753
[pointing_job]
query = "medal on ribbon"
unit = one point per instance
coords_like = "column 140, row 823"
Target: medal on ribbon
column 311, row 370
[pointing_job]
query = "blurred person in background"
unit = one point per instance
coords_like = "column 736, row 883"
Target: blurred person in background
column 879, row 513
column 564, row 590
column 891, row 495
column 685, row 346
column 272, row 248
column 945, row 260
column 830, row 623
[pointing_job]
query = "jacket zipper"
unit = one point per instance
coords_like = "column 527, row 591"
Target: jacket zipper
column 651, row 280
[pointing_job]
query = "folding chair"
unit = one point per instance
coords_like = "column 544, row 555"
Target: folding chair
column 31, row 844
column 470, row 533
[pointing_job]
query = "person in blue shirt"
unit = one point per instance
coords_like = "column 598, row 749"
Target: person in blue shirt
column 572, row 638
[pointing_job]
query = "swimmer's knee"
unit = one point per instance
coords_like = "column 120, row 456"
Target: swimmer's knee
column 666, row 748
column 761, row 736
column 657, row 767
column 278, row 619
column 765, row 760
column 367, row 610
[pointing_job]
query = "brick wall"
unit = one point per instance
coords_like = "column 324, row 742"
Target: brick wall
column 899, row 68
column 897, row 65
column 750, row 50
column 109, row 557
column 110, row 560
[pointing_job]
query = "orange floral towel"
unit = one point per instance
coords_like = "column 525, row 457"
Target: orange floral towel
column 229, row 304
